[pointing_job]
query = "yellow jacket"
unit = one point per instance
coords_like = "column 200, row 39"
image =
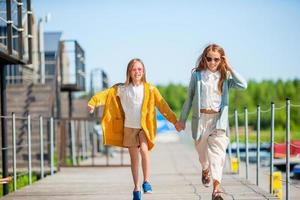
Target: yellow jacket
column 113, row 115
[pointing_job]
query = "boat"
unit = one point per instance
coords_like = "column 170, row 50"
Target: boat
column 280, row 149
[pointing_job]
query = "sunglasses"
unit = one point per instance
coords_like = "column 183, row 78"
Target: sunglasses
column 209, row 59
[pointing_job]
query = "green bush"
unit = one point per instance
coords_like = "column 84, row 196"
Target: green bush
column 22, row 181
column 258, row 93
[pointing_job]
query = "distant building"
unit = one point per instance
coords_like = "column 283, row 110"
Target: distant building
column 16, row 47
column 52, row 52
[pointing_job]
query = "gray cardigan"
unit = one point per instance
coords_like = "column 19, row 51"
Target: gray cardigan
column 193, row 101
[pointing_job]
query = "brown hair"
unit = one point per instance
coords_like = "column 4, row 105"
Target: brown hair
column 129, row 67
column 222, row 67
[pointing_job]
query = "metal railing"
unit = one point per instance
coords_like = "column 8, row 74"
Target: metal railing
column 57, row 139
column 45, row 141
column 79, row 140
column 29, row 145
column 288, row 144
column 19, row 79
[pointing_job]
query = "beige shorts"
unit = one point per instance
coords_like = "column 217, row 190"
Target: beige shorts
column 131, row 137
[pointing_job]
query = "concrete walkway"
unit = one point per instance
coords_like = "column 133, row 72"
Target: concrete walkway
column 175, row 174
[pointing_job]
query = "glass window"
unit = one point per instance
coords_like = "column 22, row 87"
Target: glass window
column 49, row 70
column 3, row 25
column 49, row 56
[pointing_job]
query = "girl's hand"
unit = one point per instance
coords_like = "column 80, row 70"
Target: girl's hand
column 90, row 109
column 227, row 63
column 179, row 126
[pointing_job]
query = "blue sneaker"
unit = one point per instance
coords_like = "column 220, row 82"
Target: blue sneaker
column 147, row 187
column 137, row 195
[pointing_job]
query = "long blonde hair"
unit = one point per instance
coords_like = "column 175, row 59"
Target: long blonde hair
column 129, row 67
column 222, row 67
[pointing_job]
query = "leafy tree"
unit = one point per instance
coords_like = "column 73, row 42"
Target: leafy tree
column 258, row 93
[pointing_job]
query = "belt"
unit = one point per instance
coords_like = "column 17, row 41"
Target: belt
column 208, row 111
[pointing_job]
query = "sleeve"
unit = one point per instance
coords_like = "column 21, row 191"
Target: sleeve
column 188, row 102
column 237, row 81
column 163, row 107
column 98, row 99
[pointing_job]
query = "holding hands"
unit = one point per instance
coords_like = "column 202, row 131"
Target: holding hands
column 179, row 126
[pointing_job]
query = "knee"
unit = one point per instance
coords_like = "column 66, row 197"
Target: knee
column 144, row 151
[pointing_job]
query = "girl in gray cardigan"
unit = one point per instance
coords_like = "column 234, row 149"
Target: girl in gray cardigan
column 208, row 96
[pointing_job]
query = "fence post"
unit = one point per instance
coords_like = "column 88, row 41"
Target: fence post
column 87, row 138
column 73, row 143
column 272, row 146
column 237, row 138
column 93, row 149
column 83, row 143
column 14, row 150
column 287, row 149
column 258, row 145
column 246, row 143
column 51, row 146
column 29, row 149
column 42, row 146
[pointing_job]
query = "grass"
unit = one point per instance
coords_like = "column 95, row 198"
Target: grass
column 22, row 181
column 265, row 135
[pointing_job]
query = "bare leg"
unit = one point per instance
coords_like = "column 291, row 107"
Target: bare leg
column 216, row 185
column 145, row 156
column 134, row 157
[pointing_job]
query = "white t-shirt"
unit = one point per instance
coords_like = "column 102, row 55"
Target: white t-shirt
column 210, row 97
column 132, row 99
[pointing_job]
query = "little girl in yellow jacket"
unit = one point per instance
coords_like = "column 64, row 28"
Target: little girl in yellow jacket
column 129, row 118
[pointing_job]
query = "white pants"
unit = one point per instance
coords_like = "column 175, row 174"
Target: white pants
column 211, row 146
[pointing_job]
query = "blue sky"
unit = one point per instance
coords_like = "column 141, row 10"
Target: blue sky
column 261, row 38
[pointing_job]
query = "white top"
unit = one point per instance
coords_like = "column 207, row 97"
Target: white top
column 210, row 97
column 132, row 99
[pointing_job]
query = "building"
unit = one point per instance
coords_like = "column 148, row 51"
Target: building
column 15, row 50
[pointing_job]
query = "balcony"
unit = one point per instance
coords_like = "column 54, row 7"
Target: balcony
column 72, row 66
column 15, row 31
